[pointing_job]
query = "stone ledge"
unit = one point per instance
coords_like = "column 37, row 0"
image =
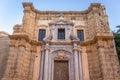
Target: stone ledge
column 26, row 38
column 95, row 39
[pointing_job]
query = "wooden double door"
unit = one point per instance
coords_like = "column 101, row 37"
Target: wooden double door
column 61, row 70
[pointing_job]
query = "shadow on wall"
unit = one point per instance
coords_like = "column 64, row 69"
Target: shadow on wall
column 4, row 50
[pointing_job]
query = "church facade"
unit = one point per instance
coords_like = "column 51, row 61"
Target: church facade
column 60, row 45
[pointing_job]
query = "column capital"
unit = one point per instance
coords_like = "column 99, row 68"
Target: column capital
column 77, row 49
column 83, row 50
column 47, row 47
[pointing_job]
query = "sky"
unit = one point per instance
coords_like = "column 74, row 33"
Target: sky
column 11, row 11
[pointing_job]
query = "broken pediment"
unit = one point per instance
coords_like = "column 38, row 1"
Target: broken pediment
column 61, row 22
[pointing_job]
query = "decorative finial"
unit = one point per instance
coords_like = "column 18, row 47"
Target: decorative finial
column 61, row 16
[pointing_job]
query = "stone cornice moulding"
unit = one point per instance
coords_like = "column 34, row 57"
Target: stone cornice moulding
column 26, row 38
column 61, row 43
column 75, row 41
column 56, row 42
column 30, row 4
column 96, row 38
column 46, row 42
column 79, row 26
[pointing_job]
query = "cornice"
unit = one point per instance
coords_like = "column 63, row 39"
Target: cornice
column 70, row 12
column 95, row 39
column 19, row 37
column 26, row 38
column 61, row 43
column 30, row 4
column 76, row 41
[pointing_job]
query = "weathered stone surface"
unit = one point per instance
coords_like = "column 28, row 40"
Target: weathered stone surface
column 26, row 58
column 4, row 50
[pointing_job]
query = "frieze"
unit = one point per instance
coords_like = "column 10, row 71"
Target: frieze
column 62, row 47
column 60, row 58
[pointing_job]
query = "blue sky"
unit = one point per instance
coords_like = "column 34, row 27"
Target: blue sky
column 11, row 11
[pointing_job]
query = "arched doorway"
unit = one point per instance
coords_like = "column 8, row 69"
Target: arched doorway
column 62, row 65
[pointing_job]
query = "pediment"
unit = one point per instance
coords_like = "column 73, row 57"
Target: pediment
column 61, row 22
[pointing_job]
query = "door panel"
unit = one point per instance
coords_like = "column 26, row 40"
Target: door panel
column 61, row 70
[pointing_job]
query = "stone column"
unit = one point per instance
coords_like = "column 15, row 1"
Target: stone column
column 46, row 62
column 85, row 64
column 41, row 65
column 76, row 63
column 80, row 65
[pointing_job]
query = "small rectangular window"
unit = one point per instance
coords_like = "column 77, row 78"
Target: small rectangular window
column 61, row 33
column 80, row 35
column 41, row 35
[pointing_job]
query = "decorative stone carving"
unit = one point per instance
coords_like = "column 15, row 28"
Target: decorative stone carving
column 61, row 56
column 73, row 37
column 17, row 29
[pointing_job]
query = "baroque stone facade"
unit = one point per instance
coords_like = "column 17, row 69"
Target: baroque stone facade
column 24, row 57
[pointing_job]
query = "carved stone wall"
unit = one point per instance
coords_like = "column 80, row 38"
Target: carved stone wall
column 25, row 58
column 21, row 59
column 108, row 59
column 102, row 59
column 93, row 62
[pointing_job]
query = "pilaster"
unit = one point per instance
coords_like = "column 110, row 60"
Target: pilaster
column 85, row 64
column 32, row 62
column 41, row 75
column 77, row 61
column 46, row 69
column 37, row 67
column 29, row 20
column 11, row 62
column 108, row 60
